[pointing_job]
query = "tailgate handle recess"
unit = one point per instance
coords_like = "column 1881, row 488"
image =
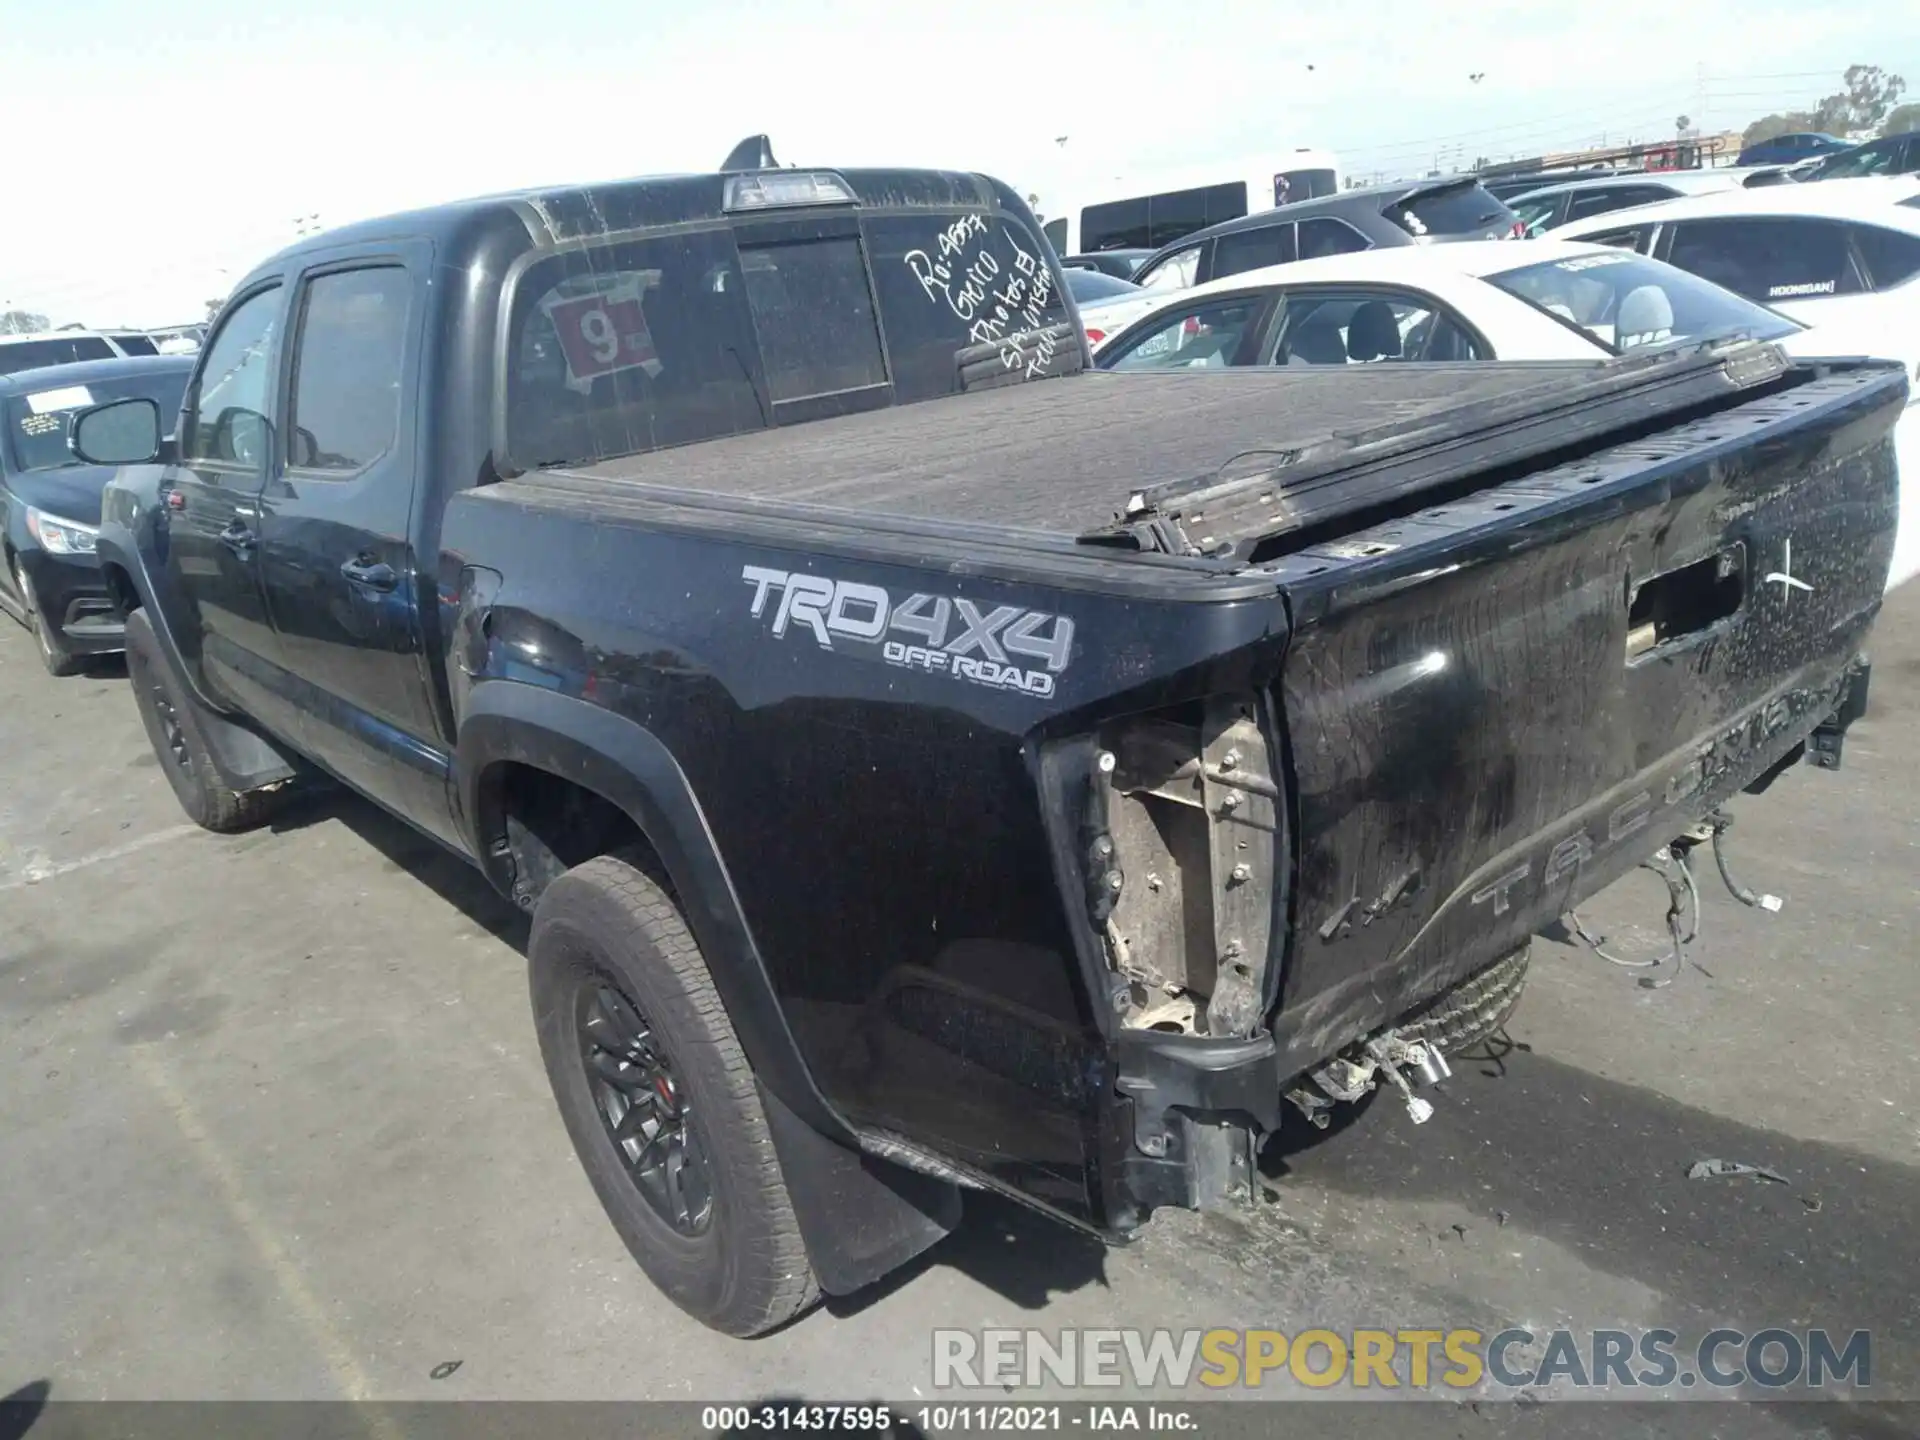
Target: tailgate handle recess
column 1685, row 601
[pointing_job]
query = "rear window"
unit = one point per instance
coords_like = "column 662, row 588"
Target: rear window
column 1892, row 256
column 37, row 423
column 32, row 354
column 1456, row 210
column 626, row 347
column 1629, row 302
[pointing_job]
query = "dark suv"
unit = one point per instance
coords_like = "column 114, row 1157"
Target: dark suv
column 1455, row 209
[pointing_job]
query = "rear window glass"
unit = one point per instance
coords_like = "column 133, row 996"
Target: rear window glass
column 1768, row 258
column 1892, row 256
column 814, row 316
column 952, row 289
column 32, row 354
column 38, row 422
column 1460, row 210
column 1629, row 302
column 627, row 347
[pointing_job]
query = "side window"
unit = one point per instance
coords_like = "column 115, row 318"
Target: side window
column 1323, row 236
column 227, row 422
column 347, row 364
column 1891, row 256
column 1246, row 250
column 1768, row 258
column 1633, row 238
column 1176, row 272
column 1326, row 328
column 1202, row 337
column 1599, row 202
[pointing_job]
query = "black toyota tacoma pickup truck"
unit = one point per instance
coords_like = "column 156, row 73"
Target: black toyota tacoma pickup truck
column 929, row 764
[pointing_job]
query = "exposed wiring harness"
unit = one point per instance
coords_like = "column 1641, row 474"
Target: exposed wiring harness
column 1669, row 862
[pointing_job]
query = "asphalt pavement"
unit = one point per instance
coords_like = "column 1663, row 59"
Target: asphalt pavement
column 273, row 1126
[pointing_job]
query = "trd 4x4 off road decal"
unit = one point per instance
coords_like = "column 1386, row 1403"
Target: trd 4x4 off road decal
column 922, row 632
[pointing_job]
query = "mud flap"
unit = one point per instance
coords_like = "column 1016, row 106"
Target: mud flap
column 860, row 1216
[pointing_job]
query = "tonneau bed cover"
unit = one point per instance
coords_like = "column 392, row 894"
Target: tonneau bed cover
column 1075, row 455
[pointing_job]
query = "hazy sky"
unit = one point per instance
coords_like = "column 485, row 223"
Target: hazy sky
column 159, row 150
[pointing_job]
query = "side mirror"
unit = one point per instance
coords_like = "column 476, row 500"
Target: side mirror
column 121, row 432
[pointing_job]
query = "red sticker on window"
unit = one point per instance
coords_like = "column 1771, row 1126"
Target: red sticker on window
column 603, row 332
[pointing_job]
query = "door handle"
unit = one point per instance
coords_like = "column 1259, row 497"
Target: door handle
column 237, row 538
column 373, row 574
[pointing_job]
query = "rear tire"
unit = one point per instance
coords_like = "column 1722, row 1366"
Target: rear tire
column 53, row 651
column 1475, row 1010
column 607, row 935
column 172, row 722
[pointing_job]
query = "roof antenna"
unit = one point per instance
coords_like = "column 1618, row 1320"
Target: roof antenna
column 753, row 153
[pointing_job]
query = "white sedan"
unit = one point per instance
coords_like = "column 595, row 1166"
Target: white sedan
column 1546, row 299
column 1842, row 256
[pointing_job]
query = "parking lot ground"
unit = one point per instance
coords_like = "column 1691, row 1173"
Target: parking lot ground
column 273, row 1126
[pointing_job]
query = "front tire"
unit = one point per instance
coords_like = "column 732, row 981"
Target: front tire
column 53, row 651
column 172, row 722
column 660, row 1101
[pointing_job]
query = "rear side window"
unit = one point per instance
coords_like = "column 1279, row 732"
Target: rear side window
column 347, row 367
column 32, row 354
column 1323, row 236
column 1769, row 258
column 1246, row 250
column 1176, row 272
column 1457, row 210
column 1204, row 337
column 1892, row 256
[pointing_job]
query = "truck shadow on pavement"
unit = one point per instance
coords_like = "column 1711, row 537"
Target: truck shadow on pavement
column 409, row 851
column 1532, row 1147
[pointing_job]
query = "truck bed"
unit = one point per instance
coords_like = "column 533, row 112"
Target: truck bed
column 1067, row 455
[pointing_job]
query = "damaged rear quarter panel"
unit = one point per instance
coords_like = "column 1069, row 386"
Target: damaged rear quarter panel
column 881, row 820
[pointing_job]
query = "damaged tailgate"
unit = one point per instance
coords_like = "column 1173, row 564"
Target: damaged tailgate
column 1499, row 704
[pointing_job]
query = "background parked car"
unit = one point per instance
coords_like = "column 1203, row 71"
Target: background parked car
column 1791, row 149
column 1842, row 256
column 1106, row 302
column 1378, row 215
column 1890, row 155
column 1546, row 301
column 50, row 501
column 1505, row 187
column 1118, row 263
column 59, row 347
column 1554, row 205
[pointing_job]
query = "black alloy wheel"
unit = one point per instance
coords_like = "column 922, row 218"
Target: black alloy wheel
column 646, row 1112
